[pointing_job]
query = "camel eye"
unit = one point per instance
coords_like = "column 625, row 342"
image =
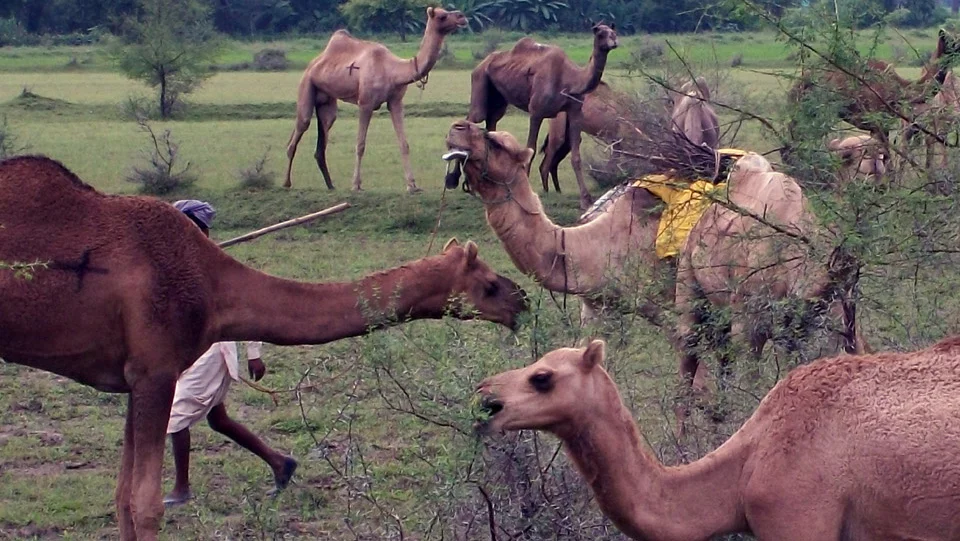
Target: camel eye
column 443, row 17
column 542, row 381
column 492, row 290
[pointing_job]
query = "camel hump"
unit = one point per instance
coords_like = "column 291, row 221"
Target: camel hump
column 21, row 170
column 528, row 45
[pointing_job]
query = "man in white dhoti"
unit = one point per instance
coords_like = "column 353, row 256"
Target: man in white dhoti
column 202, row 389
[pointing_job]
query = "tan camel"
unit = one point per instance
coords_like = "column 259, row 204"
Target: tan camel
column 860, row 156
column 135, row 293
column 744, row 255
column 596, row 260
column 885, row 91
column 366, row 74
column 860, row 448
column 542, row 81
column 693, row 116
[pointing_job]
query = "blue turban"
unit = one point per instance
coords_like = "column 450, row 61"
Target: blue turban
column 202, row 211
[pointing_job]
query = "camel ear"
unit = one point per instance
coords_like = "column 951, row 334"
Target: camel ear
column 594, row 354
column 430, row 12
column 834, row 145
column 526, row 156
column 613, row 27
column 472, row 252
column 452, row 243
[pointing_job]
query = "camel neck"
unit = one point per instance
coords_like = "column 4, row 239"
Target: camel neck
column 591, row 74
column 642, row 497
column 426, row 56
column 252, row 305
column 533, row 241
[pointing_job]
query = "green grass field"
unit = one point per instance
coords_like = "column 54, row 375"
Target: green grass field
column 375, row 464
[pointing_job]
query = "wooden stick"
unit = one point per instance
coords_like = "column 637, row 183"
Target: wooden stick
column 285, row 224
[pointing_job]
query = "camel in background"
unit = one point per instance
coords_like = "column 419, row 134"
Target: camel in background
column 693, row 116
column 600, row 119
column 860, row 156
column 859, row 448
column 134, row 293
column 542, row 81
column 366, row 74
column 882, row 90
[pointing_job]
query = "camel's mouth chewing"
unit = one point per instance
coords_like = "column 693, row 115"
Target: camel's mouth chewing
column 454, row 158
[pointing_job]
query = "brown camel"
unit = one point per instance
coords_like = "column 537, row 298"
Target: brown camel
column 743, row 256
column 542, row 81
column 366, row 74
column 884, row 91
column 600, row 119
column 591, row 260
column 134, row 293
column 850, row 447
column 939, row 116
column 860, row 156
column 693, row 116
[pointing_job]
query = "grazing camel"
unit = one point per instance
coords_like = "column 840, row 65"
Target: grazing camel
column 542, row 81
column 860, row 448
column 366, row 74
column 693, row 116
column 860, row 156
column 134, row 293
column 882, row 90
column 600, row 119
column 596, row 260
column 611, row 258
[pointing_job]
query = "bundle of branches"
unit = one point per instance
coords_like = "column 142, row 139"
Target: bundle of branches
column 655, row 147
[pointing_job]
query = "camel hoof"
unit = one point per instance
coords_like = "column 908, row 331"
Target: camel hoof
column 356, row 188
column 287, row 184
column 414, row 189
column 174, row 500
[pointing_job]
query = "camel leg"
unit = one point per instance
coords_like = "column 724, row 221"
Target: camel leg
column 396, row 116
column 326, row 115
column 306, row 101
column 545, row 164
column 365, row 114
column 575, row 118
column 151, row 400
column 533, row 136
column 561, row 153
column 124, row 480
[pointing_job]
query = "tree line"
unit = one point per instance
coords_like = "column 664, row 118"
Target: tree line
column 264, row 18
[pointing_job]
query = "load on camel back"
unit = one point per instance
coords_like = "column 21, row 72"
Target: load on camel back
column 685, row 201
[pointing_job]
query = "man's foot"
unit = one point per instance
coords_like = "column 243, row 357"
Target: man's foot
column 282, row 477
column 176, row 498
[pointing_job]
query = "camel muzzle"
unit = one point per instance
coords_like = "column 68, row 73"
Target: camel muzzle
column 454, row 159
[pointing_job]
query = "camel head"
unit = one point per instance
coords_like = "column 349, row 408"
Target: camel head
column 444, row 22
column 548, row 395
column 605, row 37
column 485, row 294
column 860, row 156
column 948, row 48
column 494, row 161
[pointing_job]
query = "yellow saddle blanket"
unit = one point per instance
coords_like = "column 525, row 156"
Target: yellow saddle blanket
column 685, row 204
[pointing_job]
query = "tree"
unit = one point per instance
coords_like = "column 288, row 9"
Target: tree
column 401, row 16
column 168, row 44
